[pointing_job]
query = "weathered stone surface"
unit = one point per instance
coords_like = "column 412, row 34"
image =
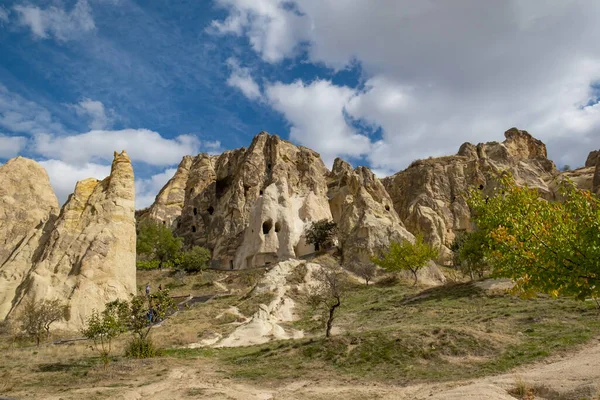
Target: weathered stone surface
column 88, row 257
column 27, row 207
column 251, row 206
column 593, row 159
column 430, row 195
column 364, row 212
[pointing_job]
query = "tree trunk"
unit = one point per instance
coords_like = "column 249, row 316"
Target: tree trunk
column 330, row 320
column 414, row 271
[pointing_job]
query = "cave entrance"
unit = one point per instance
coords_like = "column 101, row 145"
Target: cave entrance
column 267, row 225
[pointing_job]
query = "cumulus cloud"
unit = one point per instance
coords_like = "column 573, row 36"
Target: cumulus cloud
column 439, row 74
column 64, row 176
column 98, row 145
column 99, row 117
column 57, row 22
column 10, row 146
column 316, row 113
column 242, row 79
column 147, row 189
column 274, row 28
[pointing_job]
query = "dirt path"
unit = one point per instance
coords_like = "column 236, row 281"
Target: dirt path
column 575, row 377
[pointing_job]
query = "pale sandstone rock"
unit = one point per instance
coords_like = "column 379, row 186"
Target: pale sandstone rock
column 28, row 206
column 593, row 159
column 89, row 257
column 364, row 212
column 430, row 195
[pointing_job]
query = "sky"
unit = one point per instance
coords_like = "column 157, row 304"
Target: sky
column 378, row 83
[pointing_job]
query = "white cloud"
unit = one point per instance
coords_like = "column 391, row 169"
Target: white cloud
column 20, row 115
column 316, row 113
column 64, row 176
column 273, row 29
column 439, row 74
column 99, row 117
column 240, row 78
column 10, row 146
column 3, row 15
column 54, row 21
column 147, row 189
column 98, row 145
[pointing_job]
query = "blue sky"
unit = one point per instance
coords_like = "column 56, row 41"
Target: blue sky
column 379, row 84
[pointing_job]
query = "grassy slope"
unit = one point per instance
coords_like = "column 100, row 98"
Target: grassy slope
column 395, row 334
column 400, row 334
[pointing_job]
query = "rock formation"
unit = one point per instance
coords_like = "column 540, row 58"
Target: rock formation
column 430, row 195
column 364, row 212
column 86, row 257
column 252, row 206
column 28, row 207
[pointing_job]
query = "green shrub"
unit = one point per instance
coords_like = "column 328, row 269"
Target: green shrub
column 147, row 265
column 194, row 260
column 140, row 348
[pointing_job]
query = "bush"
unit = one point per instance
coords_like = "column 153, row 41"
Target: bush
column 321, row 233
column 194, row 260
column 147, row 265
column 141, row 348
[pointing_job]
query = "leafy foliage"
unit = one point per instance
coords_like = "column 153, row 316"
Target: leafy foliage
column 321, row 233
column 407, row 256
column 553, row 247
column 37, row 316
column 103, row 327
column 468, row 248
column 144, row 312
column 156, row 242
column 194, row 260
column 367, row 271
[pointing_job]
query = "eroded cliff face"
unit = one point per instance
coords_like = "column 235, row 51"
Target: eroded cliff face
column 364, row 212
column 86, row 255
column 430, row 195
column 28, row 207
column 252, row 206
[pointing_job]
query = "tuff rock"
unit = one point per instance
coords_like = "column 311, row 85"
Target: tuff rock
column 430, row 195
column 86, row 255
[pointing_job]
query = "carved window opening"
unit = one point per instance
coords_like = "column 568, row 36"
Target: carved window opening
column 164, row 222
column 277, row 226
column 266, row 226
column 194, row 228
column 211, row 210
column 178, row 224
column 261, row 192
column 195, row 211
column 480, row 187
column 230, row 264
column 387, row 208
column 269, row 166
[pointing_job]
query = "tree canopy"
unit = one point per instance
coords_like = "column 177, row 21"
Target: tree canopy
column 407, row 256
column 156, row 241
column 552, row 247
column 321, row 233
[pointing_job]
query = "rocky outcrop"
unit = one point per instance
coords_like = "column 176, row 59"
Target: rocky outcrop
column 593, row 159
column 252, row 206
column 364, row 212
column 86, row 257
column 28, row 207
column 430, row 195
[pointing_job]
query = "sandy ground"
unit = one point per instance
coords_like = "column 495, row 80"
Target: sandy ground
column 575, row 377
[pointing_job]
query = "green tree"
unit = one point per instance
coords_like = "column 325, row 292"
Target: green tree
column 143, row 312
column 156, row 242
column 36, row 317
column 194, row 260
column 103, row 327
column 468, row 248
column 321, row 233
column 552, row 247
column 407, row 256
